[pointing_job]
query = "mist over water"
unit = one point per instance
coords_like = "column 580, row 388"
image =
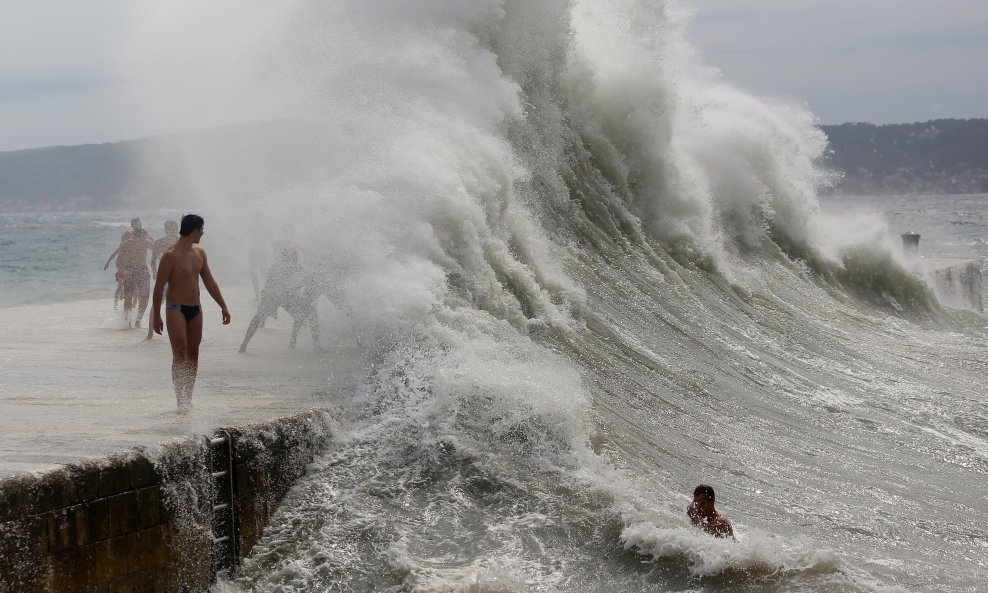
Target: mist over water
column 587, row 275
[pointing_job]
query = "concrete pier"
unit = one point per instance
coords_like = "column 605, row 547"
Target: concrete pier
column 104, row 487
column 73, row 386
column 145, row 521
column 957, row 282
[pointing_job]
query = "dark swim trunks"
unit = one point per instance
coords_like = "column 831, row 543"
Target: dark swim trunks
column 190, row 311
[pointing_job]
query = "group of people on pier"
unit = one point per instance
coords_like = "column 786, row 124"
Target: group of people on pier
column 132, row 273
column 284, row 284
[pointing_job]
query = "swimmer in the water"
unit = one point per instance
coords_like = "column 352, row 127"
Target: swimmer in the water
column 702, row 513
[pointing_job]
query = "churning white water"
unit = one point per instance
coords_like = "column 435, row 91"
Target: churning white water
column 589, row 275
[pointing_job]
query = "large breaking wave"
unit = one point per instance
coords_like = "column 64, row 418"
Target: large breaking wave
column 585, row 274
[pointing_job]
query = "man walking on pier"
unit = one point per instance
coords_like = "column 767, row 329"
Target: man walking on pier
column 180, row 268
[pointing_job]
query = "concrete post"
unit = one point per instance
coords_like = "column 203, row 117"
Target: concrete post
column 910, row 244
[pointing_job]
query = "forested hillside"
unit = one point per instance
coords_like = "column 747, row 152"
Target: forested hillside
column 156, row 172
column 939, row 156
column 88, row 177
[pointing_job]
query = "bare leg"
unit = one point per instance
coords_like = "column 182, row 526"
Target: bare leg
column 142, row 305
column 296, row 325
column 193, row 338
column 185, row 337
column 254, row 324
column 314, row 328
column 177, row 336
column 128, row 303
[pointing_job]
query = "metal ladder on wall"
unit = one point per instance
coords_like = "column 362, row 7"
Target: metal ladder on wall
column 225, row 554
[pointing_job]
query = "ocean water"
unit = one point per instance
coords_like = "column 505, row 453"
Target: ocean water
column 57, row 257
column 950, row 226
column 587, row 275
column 51, row 257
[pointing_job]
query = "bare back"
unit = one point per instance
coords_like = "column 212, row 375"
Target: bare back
column 181, row 269
column 133, row 253
column 159, row 247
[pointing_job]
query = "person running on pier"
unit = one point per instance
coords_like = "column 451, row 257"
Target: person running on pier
column 157, row 250
column 303, row 305
column 282, row 288
column 135, row 223
column 132, row 260
column 180, row 268
column 118, row 294
column 162, row 244
column 702, row 513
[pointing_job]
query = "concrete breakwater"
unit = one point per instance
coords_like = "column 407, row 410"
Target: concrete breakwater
column 162, row 521
column 957, row 282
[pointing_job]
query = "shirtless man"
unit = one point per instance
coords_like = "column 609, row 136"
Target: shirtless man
column 162, row 244
column 157, row 250
column 283, row 285
column 703, row 514
column 119, row 276
column 180, row 268
column 133, row 262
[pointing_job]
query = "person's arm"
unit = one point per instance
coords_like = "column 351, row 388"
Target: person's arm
column 721, row 527
column 694, row 514
column 164, row 271
column 213, row 288
column 112, row 255
column 729, row 529
column 155, row 256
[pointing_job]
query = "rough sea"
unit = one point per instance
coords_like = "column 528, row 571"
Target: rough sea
column 587, row 275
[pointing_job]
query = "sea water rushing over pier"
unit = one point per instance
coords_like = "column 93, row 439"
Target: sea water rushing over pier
column 958, row 283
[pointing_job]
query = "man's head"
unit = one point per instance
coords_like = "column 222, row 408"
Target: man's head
column 135, row 223
column 171, row 228
column 192, row 226
column 703, row 498
column 289, row 255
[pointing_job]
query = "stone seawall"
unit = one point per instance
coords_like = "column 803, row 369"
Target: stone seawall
column 957, row 282
column 143, row 521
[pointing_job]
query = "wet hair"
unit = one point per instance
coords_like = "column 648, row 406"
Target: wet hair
column 139, row 233
column 704, row 491
column 171, row 225
column 289, row 254
column 191, row 222
column 135, row 221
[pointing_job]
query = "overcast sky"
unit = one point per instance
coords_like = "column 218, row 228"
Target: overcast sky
column 883, row 61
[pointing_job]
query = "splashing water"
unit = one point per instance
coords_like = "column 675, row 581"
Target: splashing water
column 586, row 275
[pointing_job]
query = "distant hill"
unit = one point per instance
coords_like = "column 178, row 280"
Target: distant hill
column 942, row 156
column 250, row 159
column 90, row 177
